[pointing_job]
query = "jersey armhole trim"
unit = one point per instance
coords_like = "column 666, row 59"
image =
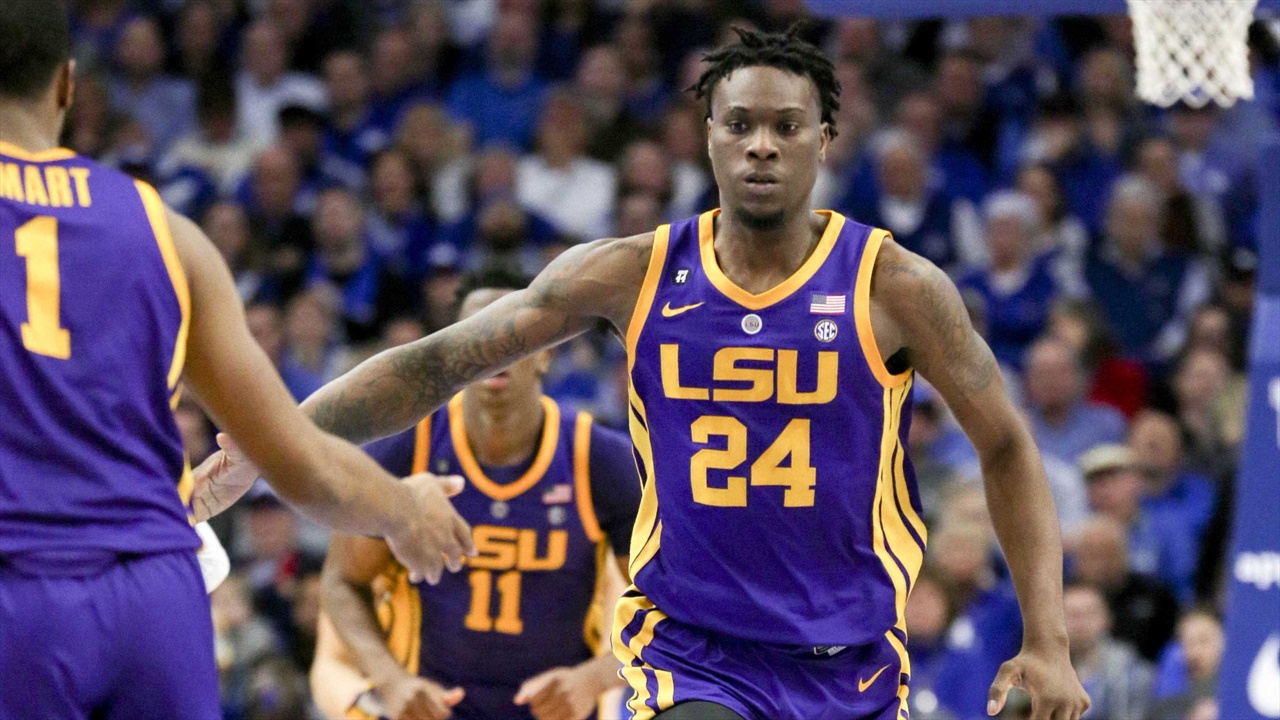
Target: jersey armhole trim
column 862, row 313
column 422, row 445
column 582, row 477
column 648, row 289
column 154, row 207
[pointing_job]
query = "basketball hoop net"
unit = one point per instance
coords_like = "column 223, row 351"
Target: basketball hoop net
column 1192, row 50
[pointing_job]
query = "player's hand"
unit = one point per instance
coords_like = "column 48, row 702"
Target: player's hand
column 222, row 479
column 1046, row 675
column 414, row 698
column 561, row 693
column 431, row 534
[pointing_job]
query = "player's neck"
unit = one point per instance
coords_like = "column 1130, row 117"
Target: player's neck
column 21, row 125
column 505, row 433
column 757, row 259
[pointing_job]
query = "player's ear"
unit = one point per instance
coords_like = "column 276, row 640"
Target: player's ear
column 544, row 362
column 66, row 84
column 824, row 140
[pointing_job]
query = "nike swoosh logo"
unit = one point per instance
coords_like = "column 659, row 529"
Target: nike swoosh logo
column 669, row 312
column 1264, row 679
column 862, row 686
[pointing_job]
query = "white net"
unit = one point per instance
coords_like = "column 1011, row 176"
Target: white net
column 1192, row 50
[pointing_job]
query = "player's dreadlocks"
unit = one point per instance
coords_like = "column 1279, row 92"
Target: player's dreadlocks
column 785, row 51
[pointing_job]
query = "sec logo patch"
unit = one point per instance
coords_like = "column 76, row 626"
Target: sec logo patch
column 826, row 330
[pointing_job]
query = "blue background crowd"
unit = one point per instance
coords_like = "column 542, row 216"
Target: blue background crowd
column 351, row 160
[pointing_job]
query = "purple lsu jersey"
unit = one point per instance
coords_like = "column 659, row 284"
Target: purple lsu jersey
column 779, row 505
column 94, row 313
column 530, row 600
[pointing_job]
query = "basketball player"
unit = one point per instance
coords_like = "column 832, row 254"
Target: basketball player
column 772, row 351
column 107, row 299
column 548, row 493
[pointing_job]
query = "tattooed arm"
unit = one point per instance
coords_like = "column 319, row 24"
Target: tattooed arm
column 916, row 308
column 395, row 389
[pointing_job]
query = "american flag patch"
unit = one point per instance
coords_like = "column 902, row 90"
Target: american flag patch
column 822, row 304
column 558, row 494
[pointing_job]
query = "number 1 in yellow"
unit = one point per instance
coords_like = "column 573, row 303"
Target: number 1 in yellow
column 43, row 333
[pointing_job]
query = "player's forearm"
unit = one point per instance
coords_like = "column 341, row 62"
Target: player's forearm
column 1026, row 524
column 602, row 672
column 350, row 607
column 339, row 486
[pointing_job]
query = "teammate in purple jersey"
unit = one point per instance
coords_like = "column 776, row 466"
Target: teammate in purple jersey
column 518, row 635
column 107, row 301
column 771, row 352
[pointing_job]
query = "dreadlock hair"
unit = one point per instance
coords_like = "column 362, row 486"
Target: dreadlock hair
column 784, row 51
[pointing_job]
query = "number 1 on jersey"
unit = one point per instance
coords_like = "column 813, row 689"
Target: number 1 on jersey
column 508, row 621
column 42, row 333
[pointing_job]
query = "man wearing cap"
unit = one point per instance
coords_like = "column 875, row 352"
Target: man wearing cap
column 1163, row 549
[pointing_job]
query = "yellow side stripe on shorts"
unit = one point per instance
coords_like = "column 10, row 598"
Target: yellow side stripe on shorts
column 645, row 636
column 636, row 679
column 666, row 689
column 903, row 658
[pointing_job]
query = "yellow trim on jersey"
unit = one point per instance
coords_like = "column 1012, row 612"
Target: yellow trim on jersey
column 471, row 468
column 17, row 153
column 648, row 289
column 779, row 292
column 646, row 534
column 160, row 227
column 400, row 615
column 627, row 654
column 889, row 533
column 904, row 691
column 862, row 313
column 582, row 477
column 421, row 445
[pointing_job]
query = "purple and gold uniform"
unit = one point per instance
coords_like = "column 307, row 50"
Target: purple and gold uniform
column 530, row 601
column 779, row 529
column 102, row 607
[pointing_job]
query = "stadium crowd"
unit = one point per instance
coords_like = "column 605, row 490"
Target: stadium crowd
column 351, row 160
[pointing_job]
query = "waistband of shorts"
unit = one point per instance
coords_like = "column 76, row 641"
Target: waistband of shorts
column 80, row 562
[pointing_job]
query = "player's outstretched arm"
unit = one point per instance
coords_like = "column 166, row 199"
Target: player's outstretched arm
column 330, row 480
column 928, row 318
column 347, row 597
column 395, row 389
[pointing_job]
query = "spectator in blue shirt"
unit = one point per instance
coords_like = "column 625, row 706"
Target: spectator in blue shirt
column 1063, row 422
column 400, row 233
column 942, row 667
column 351, row 138
column 1159, row 545
column 1171, row 490
column 1016, row 291
column 503, row 102
column 164, row 105
column 398, row 78
column 1144, row 289
column 903, row 202
column 952, row 163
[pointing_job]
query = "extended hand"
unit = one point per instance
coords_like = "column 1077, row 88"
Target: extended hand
column 432, row 534
column 416, row 698
column 222, row 479
column 1047, row 675
column 561, row 693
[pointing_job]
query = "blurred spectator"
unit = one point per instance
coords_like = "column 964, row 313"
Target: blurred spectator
column 215, row 149
column 601, row 88
column 860, row 40
column 1063, row 421
column 684, row 143
column 266, row 324
column 304, row 620
column 904, row 202
column 638, row 213
column 351, row 137
column 164, row 105
column 91, row 123
column 277, row 691
column 201, row 40
column 952, row 165
column 369, row 294
column 435, row 57
column 400, row 234
column 1210, row 411
column 939, row 672
column 561, row 170
column 1016, row 290
column 1171, row 489
column 504, row 101
column 302, row 134
column 273, row 190
column 1195, row 678
column 644, row 169
column 309, row 356
column 1057, row 140
column 1143, row 610
column 1145, row 290
column 265, row 85
column 1118, row 682
column 646, row 90
column 1188, row 224
column 241, row 641
column 197, row 433
column 1116, row 381
column 1158, row 545
column 398, row 79
column 227, row 226
column 439, row 155
column 1058, row 233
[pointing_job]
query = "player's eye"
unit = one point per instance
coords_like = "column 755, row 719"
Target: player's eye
column 736, row 126
column 789, row 127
